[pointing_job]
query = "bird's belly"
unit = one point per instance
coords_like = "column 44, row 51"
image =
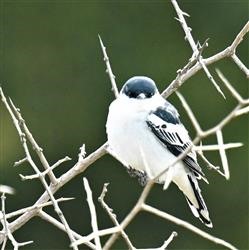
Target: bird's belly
column 136, row 145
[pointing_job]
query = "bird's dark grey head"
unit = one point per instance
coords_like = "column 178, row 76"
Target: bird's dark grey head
column 139, row 87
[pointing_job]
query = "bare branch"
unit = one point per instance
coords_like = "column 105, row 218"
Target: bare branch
column 194, row 121
column 93, row 213
column 135, row 210
column 227, row 52
column 45, row 172
column 239, row 38
column 223, row 154
column 113, row 216
column 217, row 147
column 109, row 69
column 169, row 240
column 193, row 45
column 209, row 164
column 242, row 111
column 91, row 236
column 241, row 65
column 18, row 122
column 7, row 233
column 187, row 225
column 82, row 153
column 34, row 207
column 17, row 163
column 34, row 144
column 43, row 215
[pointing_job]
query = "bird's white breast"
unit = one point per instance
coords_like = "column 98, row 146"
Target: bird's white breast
column 132, row 140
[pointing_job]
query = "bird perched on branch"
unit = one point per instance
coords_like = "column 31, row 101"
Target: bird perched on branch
column 144, row 131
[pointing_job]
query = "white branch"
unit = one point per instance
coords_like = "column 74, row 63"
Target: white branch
column 7, row 233
column 35, row 146
column 109, row 69
column 242, row 111
column 227, row 52
column 168, row 241
column 191, row 115
column 217, row 147
column 93, row 213
column 187, row 225
column 43, row 215
column 113, row 216
column 45, row 172
column 18, row 122
column 34, row 207
column 91, row 236
column 223, row 154
column 239, row 37
column 241, row 65
column 193, row 45
column 232, row 90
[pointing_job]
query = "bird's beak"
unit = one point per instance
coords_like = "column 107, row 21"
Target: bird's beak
column 141, row 96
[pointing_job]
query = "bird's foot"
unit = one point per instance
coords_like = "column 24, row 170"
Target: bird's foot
column 141, row 175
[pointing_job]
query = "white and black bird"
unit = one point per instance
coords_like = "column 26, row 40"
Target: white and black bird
column 144, row 131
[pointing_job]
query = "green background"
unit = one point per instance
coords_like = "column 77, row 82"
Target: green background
column 52, row 68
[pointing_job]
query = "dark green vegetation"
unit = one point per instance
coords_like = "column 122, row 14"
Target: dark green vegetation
column 52, row 68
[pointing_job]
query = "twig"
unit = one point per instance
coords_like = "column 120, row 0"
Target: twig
column 17, row 163
column 34, row 207
column 194, row 121
column 45, row 172
column 36, row 147
column 241, row 65
column 216, row 147
column 187, row 225
column 17, row 121
column 43, row 215
column 231, row 89
column 209, row 164
column 169, row 240
column 100, row 233
column 93, row 213
column 227, row 52
column 122, row 232
column 109, row 69
column 7, row 232
column 82, row 153
column 239, row 38
column 242, row 111
column 223, row 154
column 135, row 210
column 192, row 43
column 113, row 216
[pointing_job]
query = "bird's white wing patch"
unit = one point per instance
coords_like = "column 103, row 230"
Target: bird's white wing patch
column 175, row 134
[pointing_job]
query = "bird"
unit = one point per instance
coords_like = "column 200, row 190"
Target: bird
column 144, row 132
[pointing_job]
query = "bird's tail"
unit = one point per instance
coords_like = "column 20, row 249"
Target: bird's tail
column 197, row 205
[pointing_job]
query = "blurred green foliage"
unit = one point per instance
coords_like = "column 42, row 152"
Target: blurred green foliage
column 52, row 68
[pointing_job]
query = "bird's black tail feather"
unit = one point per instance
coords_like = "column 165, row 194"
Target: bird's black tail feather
column 199, row 211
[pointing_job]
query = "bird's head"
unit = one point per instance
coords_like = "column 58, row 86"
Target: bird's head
column 139, row 87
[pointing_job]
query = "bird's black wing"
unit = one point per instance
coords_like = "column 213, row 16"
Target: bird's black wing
column 164, row 122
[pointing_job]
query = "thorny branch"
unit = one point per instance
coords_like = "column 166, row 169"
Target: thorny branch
column 195, row 63
column 184, row 75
